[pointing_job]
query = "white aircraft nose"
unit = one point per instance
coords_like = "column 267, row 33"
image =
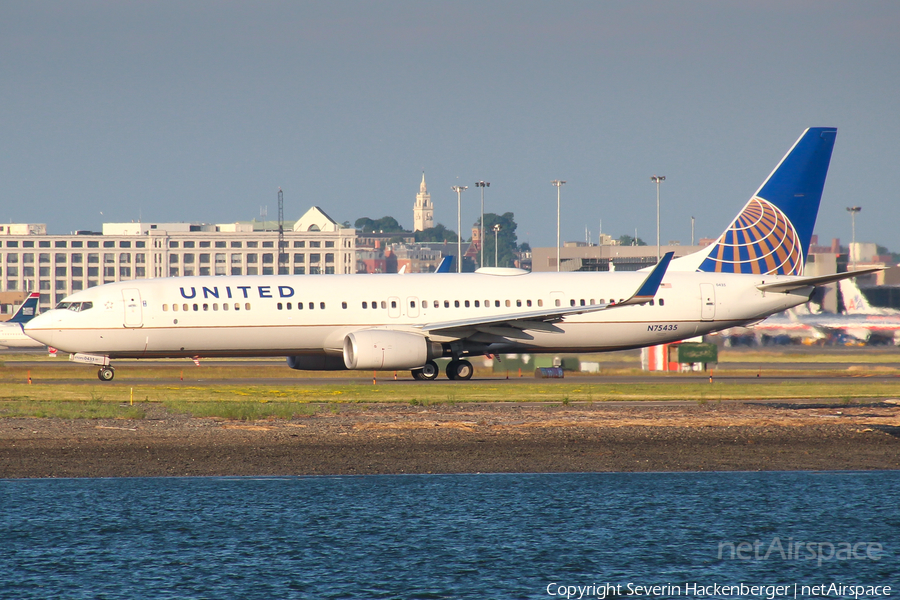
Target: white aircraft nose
column 39, row 328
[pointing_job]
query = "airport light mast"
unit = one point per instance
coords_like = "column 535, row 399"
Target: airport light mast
column 496, row 231
column 459, row 189
column 558, row 183
column 853, row 210
column 482, row 185
column 657, row 179
column 282, row 255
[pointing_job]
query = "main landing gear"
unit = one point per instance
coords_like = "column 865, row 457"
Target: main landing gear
column 460, row 369
column 427, row 373
column 106, row 373
column 456, row 369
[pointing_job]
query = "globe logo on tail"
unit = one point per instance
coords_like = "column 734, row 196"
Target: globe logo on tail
column 761, row 240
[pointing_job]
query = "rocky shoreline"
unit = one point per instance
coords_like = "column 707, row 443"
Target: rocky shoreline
column 463, row 438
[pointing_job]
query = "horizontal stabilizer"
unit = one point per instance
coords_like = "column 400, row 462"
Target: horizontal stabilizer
column 796, row 284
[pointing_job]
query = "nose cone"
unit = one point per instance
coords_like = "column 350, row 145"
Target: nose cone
column 40, row 328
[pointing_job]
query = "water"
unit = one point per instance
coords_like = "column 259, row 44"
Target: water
column 446, row 536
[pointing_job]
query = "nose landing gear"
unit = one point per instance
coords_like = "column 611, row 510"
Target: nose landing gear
column 106, row 373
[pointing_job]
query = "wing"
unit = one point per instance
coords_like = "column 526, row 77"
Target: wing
column 516, row 325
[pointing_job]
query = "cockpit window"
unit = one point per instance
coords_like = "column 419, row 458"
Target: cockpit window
column 75, row 306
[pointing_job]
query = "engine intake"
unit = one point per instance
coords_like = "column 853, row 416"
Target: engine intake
column 387, row 350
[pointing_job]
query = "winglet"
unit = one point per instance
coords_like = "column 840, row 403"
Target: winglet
column 648, row 289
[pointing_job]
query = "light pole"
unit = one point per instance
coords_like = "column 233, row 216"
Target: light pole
column 558, row 183
column 458, row 189
column 496, row 231
column 657, row 179
column 853, row 210
column 482, row 185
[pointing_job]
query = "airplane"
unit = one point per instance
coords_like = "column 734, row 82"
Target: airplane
column 11, row 333
column 393, row 322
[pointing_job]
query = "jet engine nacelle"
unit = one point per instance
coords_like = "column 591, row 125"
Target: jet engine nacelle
column 388, row 350
column 316, row 362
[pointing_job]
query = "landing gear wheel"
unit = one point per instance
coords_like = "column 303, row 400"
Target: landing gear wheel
column 427, row 373
column 459, row 369
column 106, row 373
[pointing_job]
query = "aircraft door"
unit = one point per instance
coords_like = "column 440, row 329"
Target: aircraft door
column 393, row 307
column 412, row 307
column 707, row 302
column 134, row 316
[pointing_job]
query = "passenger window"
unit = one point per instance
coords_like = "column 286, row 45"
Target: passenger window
column 174, row 308
column 365, row 304
column 312, row 305
column 322, row 305
column 383, row 304
column 466, row 303
column 343, row 305
column 437, row 304
column 662, row 302
column 205, row 307
column 184, row 307
column 289, row 306
column 592, row 301
column 224, row 306
column 412, row 303
column 165, row 308
column 477, row 304
column 278, row 306
column 215, row 306
column 246, row 306
column 518, row 303
column 393, row 304
column 557, row 302
column 456, row 303
column 582, row 302
column 237, row 306
column 651, row 301
column 528, row 303
column 572, row 302
column 299, row 306
column 507, row 304
column 496, row 303
column 446, row 304
column 196, row 308
column 540, row 302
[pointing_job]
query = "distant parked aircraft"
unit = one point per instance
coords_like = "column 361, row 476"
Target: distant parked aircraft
column 11, row 333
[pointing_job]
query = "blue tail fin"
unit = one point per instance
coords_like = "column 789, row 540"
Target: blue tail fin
column 444, row 265
column 27, row 310
column 771, row 234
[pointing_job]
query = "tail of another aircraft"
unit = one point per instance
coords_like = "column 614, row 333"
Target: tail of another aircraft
column 771, row 234
column 856, row 303
column 27, row 310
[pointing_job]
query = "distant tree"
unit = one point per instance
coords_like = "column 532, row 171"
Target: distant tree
column 627, row 240
column 438, row 233
column 506, row 239
column 385, row 224
column 524, row 247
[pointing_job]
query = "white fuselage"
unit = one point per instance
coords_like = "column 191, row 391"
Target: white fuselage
column 12, row 336
column 261, row 315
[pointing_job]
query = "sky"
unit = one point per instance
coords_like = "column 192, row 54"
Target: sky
column 200, row 111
